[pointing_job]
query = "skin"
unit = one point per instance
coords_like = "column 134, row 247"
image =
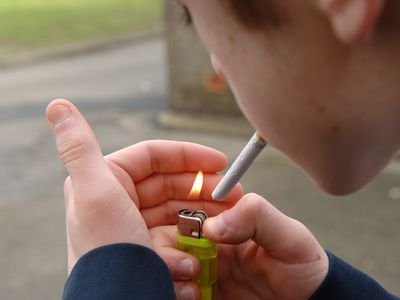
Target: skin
column 118, row 197
column 315, row 77
column 322, row 88
column 133, row 195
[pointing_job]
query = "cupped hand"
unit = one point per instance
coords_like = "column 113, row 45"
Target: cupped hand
column 115, row 199
column 263, row 254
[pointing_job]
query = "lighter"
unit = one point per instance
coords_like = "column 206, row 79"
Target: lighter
column 191, row 240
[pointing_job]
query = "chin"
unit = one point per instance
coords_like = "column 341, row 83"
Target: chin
column 341, row 188
column 348, row 180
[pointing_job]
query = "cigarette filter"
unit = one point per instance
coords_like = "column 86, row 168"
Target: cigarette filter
column 191, row 240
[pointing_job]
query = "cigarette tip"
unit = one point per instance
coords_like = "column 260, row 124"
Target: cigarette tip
column 260, row 137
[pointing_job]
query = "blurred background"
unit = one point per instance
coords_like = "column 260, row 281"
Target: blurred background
column 138, row 73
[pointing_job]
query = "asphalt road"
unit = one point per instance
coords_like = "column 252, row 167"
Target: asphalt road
column 129, row 78
column 122, row 91
column 116, row 77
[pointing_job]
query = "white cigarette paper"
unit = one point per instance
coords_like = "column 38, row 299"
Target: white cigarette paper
column 239, row 167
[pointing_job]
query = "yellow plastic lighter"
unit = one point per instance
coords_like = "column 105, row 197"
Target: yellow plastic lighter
column 191, row 240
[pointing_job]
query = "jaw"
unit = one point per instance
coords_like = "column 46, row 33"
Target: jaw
column 343, row 177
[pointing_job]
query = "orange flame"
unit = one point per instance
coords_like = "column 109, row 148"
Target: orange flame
column 197, row 186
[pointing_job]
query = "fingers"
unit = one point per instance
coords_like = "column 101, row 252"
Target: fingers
column 182, row 266
column 76, row 145
column 143, row 159
column 186, row 290
column 255, row 218
column 160, row 188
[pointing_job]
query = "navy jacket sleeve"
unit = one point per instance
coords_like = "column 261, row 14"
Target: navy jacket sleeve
column 120, row 271
column 347, row 283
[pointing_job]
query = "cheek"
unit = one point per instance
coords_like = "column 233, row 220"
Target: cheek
column 282, row 111
column 263, row 100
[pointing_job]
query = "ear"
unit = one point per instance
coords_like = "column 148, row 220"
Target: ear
column 353, row 21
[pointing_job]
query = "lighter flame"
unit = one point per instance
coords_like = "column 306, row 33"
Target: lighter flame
column 197, row 186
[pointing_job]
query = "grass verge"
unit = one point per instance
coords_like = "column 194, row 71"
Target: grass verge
column 31, row 24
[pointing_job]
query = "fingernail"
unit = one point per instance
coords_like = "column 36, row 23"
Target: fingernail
column 187, row 293
column 217, row 225
column 58, row 114
column 186, row 267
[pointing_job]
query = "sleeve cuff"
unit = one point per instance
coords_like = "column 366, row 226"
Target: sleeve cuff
column 345, row 282
column 120, row 271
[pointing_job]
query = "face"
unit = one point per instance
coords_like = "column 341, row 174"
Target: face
column 332, row 109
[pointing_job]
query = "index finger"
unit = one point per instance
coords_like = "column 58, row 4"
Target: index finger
column 160, row 156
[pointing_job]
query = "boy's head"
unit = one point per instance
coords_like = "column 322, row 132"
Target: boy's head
column 319, row 78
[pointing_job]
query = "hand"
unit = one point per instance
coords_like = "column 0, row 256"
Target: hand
column 117, row 198
column 263, row 254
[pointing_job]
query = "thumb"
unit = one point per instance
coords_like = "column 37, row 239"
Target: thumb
column 255, row 218
column 76, row 144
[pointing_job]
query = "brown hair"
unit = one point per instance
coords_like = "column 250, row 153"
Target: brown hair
column 255, row 14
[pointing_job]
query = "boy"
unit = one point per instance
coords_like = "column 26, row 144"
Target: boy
column 319, row 79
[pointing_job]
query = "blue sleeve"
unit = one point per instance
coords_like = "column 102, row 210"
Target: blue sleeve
column 347, row 283
column 120, row 271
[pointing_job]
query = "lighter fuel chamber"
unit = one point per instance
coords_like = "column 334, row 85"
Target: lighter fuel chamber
column 191, row 240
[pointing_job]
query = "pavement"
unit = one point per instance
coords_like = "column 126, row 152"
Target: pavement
column 122, row 92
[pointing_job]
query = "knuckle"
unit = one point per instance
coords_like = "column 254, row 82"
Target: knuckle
column 98, row 201
column 72, row 150
column 152, row 151
column 155, row 161
column 253, row 204
column 169, row 186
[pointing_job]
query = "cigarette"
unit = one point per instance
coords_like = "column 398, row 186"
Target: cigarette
column 239, row 166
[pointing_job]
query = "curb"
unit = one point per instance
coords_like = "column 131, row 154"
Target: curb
column 76, row 49
column 234, row 126
column 218, row 124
